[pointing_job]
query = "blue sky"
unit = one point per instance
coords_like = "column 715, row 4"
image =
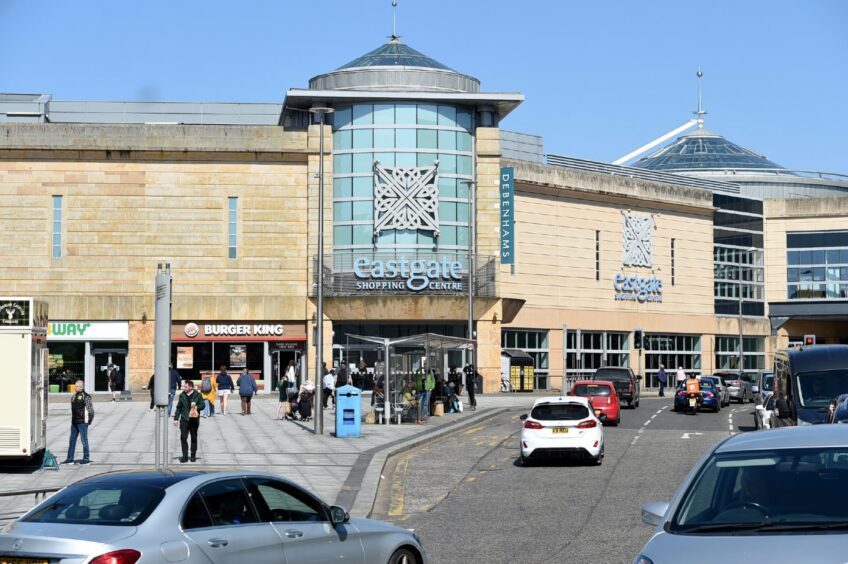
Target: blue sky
column 600, row 78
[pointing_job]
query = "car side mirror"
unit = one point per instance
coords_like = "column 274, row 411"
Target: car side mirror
column 523, row 417
column 638, row 377
column 338, row 515
column 653, row 512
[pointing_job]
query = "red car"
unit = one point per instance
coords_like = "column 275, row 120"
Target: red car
column 603, row 397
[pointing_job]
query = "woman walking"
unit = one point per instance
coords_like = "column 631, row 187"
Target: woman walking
column 247, row 387
column 283, row 408
column 225, row 388
column 209, row 391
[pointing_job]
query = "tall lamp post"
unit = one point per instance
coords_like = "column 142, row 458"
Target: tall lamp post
column 321, row 112
column 472, row 249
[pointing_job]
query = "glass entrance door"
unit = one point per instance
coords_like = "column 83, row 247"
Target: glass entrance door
column 102, row 358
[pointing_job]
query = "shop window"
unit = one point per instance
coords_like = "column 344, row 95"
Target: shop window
column 385, row 159
column 66, row 363
column 426, row 159
column 463, row 165
column 384, row 138
column 362, row 139
column 342, row 163
column 384, row 113
column 447, row 189
column 447, row 140
column 427, row 114
column 342, row 140
column 342, row 117
column 447, row 116
column 463, row 119
column 363, row 162
column 406, row 160
column 405, row 114
column 363, row 114
column 342, row 211
column 342, row 187
column 463, row 141
column 427, row 139
column 363, row 186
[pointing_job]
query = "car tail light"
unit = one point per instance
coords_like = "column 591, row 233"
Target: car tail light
column 588, row 424
column 708, row 394
column 609, row 400
column 681, row 394
column 532, row 425
column 630, row 385
column 125, row 556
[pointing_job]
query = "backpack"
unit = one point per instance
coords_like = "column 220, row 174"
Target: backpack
column 206, row 385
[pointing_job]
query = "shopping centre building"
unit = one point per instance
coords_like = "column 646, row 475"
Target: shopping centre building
column 424, row 194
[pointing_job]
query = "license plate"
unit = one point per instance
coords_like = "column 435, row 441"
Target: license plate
column 10, row 560
column 692, row 402
column 558, row 430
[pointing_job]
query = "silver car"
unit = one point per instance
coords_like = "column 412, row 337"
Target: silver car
column 775, row 496
column 740, row 387
column 194, row 517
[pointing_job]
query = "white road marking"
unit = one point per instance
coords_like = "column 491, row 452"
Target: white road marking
column 633, row 442
column 687, row 435
column 659, row 411
column 648, row 422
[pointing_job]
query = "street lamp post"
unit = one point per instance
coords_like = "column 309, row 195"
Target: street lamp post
column 472, row 249
column 319, row 322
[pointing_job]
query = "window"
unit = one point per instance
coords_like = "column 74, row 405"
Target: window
column 121, row 505
column 57, row 227
column 534, row 343
column 586, row 351
column 817, row 273
column 195, row 515
column 597, row 255
column 232, row 232
column 228, row 503
column 727, row 353
column 278, row 501
column 672, row 351
column 672, row 262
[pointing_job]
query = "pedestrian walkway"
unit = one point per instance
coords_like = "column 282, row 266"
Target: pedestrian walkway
column 122, row 438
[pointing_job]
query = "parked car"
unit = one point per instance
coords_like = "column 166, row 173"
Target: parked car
column 194, row 517
column 765, row 385
column 806, row 379
column 739, row 386
column 602, row 396
column 723, row 393
column 710, row 398
column 780, row 496
column 561, row 427
column 626, row 383
column 762, row 414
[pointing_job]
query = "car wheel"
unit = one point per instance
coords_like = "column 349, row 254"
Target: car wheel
column 403, row 556
column 630, row 405
column 522, row 460
column 637, row 403
column 598, row 460
column 716, row 409
column 756, row 422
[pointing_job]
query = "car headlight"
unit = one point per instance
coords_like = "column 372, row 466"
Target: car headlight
column 642, row 559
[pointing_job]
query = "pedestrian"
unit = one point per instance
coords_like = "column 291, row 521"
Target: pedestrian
column 342, row 377
column 291, row 373
column 283, row 408
column 150, row 387
column 174, row 384
column 225, row 388
column 82, row 415
column 187, row 418
column 328, row 386
column 115, row 380
column 681, row 376
column 304, row 400
column 425, row 382
column 209, row 391
column 471, row 385
column 247, row 387
column 662, row 378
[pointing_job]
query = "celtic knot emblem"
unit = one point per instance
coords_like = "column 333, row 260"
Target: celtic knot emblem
column 638, row 240
column 406, row 198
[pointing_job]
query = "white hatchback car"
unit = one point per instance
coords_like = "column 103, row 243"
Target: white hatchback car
column 562, row 427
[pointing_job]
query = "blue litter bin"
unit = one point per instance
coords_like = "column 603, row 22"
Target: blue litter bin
column 348, row 412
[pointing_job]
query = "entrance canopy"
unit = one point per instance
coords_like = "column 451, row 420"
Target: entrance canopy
column 406, row 356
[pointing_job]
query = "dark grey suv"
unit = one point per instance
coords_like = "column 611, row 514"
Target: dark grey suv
column 625, row 382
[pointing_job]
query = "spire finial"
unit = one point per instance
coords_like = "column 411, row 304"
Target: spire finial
column 394, row 20
column 700, row 113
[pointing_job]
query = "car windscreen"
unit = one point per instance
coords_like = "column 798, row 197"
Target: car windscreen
column 123, row 505
column 592, row 390
column 559, row 412
column 769, row 490
column 611, row 374
column 768, row 382
column 816, row 389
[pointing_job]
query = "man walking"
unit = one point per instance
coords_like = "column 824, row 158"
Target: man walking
column 425, row 382
column 327, row 386
column 187, row 418
column 247, row 387
column 663, row 378
column 471, row 385
column 175, row 379
column 82, row 414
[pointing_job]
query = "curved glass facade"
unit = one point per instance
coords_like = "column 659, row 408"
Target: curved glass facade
column 400, row 135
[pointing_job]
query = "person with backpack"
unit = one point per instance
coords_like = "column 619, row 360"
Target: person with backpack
column 187, row 418
column 225, row 388
column 247, row 387
column 209, row 391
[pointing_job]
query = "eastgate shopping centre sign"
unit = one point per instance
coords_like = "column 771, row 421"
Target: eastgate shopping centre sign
column 637, row 289
column 417, row 275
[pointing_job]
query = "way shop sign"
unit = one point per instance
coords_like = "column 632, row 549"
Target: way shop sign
column 637, row 289
column 418, row 275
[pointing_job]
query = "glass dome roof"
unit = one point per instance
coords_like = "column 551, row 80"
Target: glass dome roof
column 395, row 53
column 704, row 150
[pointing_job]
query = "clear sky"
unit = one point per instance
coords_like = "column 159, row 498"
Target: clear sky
column 600, row 78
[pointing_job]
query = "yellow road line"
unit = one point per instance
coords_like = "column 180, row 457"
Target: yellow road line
column 397, row 491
